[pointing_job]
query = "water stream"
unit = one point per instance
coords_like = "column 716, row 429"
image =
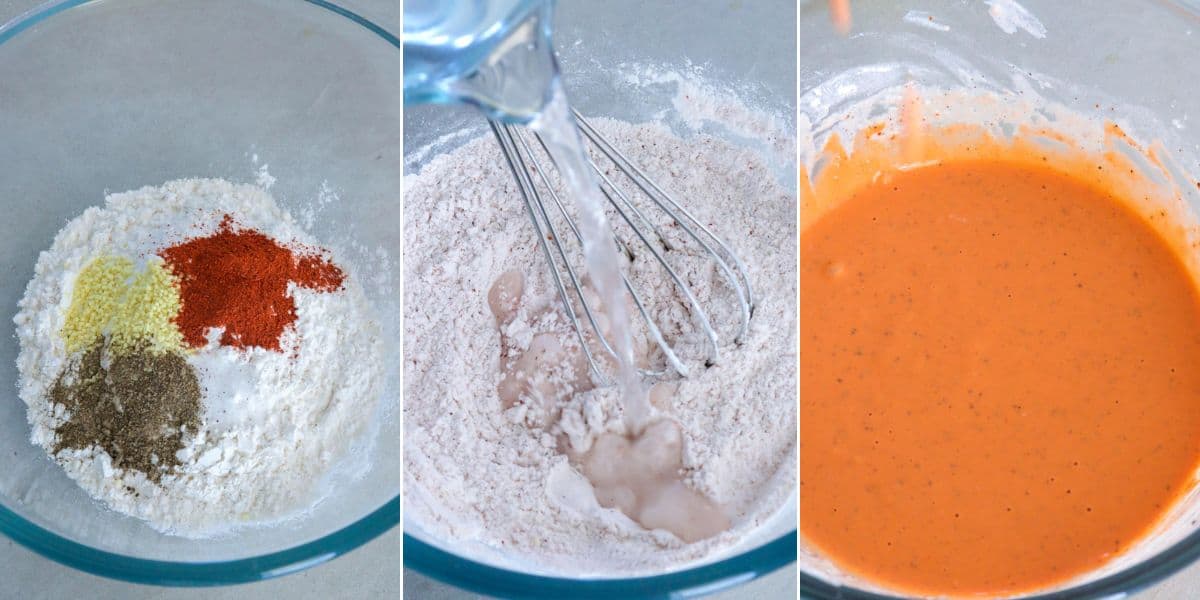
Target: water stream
column 558, row 131
column 640, row 472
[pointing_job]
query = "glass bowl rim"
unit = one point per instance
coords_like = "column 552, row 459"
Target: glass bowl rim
column 471, row 575
column 1120, row 584
column 696, row 581
column 169, row 573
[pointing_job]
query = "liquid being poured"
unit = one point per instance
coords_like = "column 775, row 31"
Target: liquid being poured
column 494, row 54
column 557, row 129
column 641, row 472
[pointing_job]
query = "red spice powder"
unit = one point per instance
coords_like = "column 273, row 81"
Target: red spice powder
column 238, row 279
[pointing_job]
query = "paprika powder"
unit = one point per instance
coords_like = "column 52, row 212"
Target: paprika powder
column 237, row 280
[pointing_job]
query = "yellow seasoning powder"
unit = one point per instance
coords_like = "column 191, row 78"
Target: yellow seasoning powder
column 148, row 311
column 98, row 292
column 133, row 308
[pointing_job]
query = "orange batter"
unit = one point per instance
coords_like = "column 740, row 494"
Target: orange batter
column 1000, row 376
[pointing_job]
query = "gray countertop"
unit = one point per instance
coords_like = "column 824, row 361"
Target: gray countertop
column 1185, row 585
column 370, row 572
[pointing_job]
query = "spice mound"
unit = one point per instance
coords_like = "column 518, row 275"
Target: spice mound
column 137, row 409
column 192, row 358
column 238, row 281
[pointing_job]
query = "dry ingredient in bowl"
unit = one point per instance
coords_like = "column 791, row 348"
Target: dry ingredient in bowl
column 238, row 281
column 192, row 358
column 136, row 406
column 498, row 475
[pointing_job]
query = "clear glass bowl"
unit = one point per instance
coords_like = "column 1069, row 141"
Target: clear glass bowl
column 117, row 94
column 1132, row 61
column 749, row 47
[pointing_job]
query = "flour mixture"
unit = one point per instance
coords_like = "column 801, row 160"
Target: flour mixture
column 533, row 470
column 192, row 358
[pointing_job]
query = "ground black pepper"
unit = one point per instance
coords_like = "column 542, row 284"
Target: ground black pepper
column 136, row 405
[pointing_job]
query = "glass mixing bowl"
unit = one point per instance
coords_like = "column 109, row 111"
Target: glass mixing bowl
column 118, row 94
column 1128, row 61
column 750, row 47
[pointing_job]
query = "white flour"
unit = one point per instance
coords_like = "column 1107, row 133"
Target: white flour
column 274, row 424
column 490, row 482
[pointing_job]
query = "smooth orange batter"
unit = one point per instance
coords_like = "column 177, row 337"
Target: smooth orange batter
column 1000, row 377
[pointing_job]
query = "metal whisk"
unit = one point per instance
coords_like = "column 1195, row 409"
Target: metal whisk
column 535, row 188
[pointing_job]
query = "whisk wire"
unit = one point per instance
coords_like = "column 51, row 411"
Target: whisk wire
column 574, row 277
column 521, row 159
column 637, row 299
column 740, row 281
column 699, row 313
column 530, row 196
column 607, row 184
